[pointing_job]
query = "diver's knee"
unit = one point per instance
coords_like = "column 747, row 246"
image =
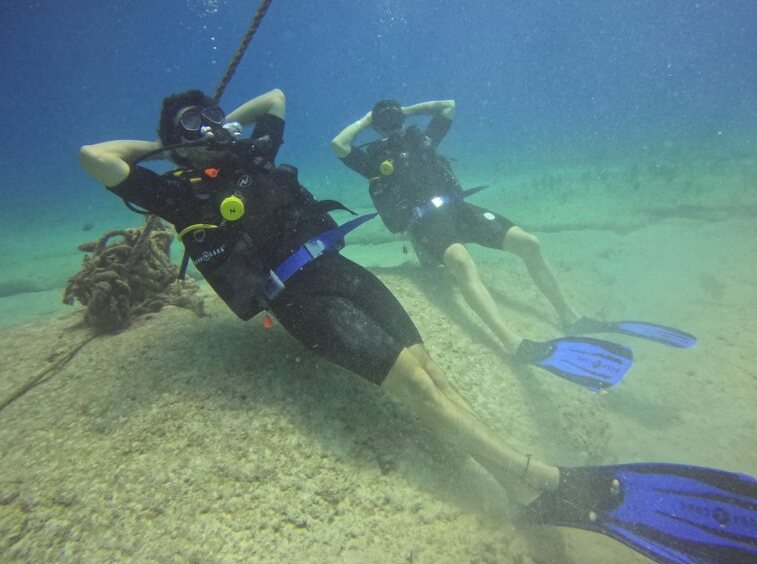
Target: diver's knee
column 532, row 245
column 420, row 353
column 457, row 258
column 409, row 380
column 522, row 243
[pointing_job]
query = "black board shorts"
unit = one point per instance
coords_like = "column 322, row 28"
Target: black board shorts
column 344, row 314
column 458, row 222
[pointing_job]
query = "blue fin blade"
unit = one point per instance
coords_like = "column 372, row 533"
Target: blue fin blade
column 652, row 331
column 592, row 363
column 685, row 514
column 672, row 513
column 659, row 333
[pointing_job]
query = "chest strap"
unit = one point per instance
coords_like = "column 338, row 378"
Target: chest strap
column 438, row 201
column 330, row 240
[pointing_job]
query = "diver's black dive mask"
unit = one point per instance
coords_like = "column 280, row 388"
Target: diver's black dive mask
column 197, row 123
column 193, row 119
column 387, row 119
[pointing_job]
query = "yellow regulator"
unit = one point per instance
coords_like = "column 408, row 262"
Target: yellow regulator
column 387, row 167
column 232, row 208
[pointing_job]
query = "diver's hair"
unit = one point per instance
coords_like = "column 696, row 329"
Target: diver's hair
column 387, row 115
column 172, row 105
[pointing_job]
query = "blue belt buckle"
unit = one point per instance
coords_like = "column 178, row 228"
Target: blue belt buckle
column 435, row 202
column 315, row 247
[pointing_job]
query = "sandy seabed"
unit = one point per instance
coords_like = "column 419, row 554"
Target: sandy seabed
column 213, row 440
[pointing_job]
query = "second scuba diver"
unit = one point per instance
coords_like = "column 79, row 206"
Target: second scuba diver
column 415, row 190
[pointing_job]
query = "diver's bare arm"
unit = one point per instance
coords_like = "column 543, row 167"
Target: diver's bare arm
column 342, row 143
column 272, row 102
column 109, row 161
column 445, row 108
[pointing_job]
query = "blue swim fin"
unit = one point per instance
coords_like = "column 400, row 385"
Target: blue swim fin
column 592, row 363
column 643, row 329
column 671, row 513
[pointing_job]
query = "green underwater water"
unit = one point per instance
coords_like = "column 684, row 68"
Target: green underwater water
column 268, row 453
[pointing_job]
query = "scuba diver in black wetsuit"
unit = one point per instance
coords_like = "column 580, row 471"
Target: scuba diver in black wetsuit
column 414, row 189
column 263, row 241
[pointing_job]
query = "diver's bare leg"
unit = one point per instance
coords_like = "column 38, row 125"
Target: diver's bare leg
column 523, row 477
column 527, row 247
column 463, row 269
column 440, row 380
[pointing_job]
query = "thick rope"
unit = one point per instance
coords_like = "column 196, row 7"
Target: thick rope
column 262, row 9
column 137, row 251
column 45, row 374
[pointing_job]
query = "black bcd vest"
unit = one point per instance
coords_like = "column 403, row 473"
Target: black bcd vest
column 418, row 174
